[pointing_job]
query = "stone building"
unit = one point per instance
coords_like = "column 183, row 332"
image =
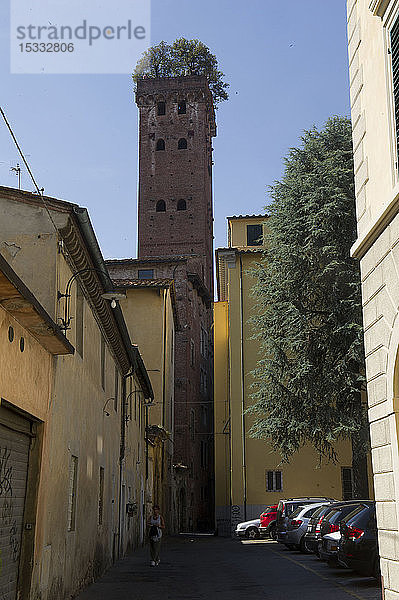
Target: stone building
column 89, row 473
column 175, row 241
column 373, row 43
column 249, row 475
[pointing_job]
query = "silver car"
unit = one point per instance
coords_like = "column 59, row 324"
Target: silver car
column 249, row 529
column 298, row 525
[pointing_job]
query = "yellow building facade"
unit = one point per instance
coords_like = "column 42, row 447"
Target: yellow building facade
column 149, row 309
column 249, row 475
column 373, row 28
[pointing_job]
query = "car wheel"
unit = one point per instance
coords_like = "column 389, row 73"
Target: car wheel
column 302, row 546
column 273, row 532
column 252, row 533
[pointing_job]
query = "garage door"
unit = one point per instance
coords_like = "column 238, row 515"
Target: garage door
column 14, row 453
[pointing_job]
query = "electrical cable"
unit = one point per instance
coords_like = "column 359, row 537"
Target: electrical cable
column 39, row 191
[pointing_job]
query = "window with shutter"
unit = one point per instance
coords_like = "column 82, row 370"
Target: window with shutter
column 394, row 39
column 347, row 483
column 73, row 483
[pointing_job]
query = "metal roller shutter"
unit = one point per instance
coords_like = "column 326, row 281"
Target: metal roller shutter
column 14, row 454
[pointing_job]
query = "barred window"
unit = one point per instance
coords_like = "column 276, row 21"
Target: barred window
column 274, row 481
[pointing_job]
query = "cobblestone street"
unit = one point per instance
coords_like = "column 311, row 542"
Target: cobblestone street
column 202, row 568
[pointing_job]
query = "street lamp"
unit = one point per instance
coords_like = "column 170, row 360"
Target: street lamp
column 113, row 296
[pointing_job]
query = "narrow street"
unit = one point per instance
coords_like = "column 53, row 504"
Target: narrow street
column 208, row 567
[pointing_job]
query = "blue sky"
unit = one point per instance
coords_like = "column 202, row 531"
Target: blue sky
column 286, row 63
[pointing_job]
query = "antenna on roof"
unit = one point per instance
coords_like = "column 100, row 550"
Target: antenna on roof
column 17, row 171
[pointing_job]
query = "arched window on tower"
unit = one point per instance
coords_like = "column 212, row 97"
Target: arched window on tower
column 182, row 144
column 161, row 108
column 181, row 107
column 181, row 205
column 161, row 206
column 160, row 144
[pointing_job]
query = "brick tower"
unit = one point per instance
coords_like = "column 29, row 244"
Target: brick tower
column 175, row 240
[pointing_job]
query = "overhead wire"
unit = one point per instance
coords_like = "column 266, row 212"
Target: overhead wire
column 39, row 191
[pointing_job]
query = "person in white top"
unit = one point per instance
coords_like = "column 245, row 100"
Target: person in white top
column 155, row 524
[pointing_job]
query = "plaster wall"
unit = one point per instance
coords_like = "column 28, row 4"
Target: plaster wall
column 236, row 354
column 149, row 317
column 31, row 248
column 25, row 377
column 83, row 419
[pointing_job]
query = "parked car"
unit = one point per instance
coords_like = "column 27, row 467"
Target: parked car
column 297, row 526
column 358, row 549
column 248, row 529
column 312, row 535
column 329, row 548
column 332, row 520
column 285, row 509
column 268, row 522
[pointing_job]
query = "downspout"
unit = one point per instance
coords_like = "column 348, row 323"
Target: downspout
column 121, row 459
column 164, row 359
column 244, row 459
column 163, row 395
column 146, row 442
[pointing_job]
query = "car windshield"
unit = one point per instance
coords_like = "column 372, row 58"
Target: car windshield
column 296, row 512
column 360, row 515
column 309, row 512
column 269, row 510
column 318, row 512
column 339, row 513
column 292, row 507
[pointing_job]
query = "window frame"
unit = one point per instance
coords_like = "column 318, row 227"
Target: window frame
column 72, row 492
column 274, row 475
column 140, row 273
column 179, row 111
column 160, row 142
column 393, row 137
column 256, row 241
column 161, row 113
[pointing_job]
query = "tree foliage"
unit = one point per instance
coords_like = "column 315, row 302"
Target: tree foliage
column 309, row 380
column 183, row 57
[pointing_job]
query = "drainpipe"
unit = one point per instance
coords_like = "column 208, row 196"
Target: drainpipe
column 121, row 459
column 161, row 500
column 146, row 442
column 244, row 460
column 164, row 359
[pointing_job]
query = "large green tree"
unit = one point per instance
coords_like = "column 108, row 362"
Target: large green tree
column 310, row 380
column 183, row 57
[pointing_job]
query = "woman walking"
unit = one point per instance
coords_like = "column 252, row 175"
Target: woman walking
column 156, row 524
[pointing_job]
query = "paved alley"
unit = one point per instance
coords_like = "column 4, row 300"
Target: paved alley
column 202, row 568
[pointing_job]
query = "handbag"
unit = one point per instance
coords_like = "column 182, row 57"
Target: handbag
column 153, row 531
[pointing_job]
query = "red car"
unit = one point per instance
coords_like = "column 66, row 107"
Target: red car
column 268, row 522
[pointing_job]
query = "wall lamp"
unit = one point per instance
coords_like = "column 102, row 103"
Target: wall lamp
column 113, row 296
column 105, row 405
column 145, row 404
